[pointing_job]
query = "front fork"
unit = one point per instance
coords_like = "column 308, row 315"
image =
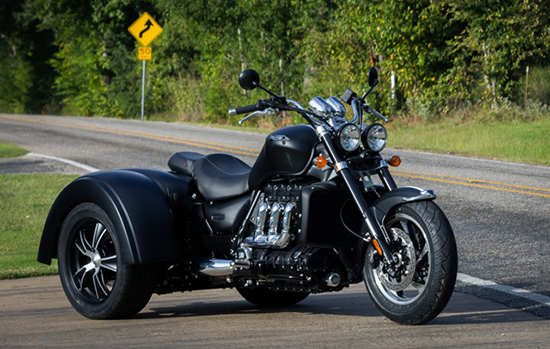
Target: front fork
column 386, row 178
column 380, row 238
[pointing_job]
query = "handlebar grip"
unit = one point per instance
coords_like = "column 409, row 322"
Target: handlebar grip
column 244, row 110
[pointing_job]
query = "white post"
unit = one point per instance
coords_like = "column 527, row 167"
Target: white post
column 392, row 82
column 526, row 84
column 143, row 90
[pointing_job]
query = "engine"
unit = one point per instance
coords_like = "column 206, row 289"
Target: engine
column 271, row 252
column 296, row 240
column 275, row 222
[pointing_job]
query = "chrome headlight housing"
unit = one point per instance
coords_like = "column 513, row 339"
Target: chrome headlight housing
column 349, row 137
column 374, row 137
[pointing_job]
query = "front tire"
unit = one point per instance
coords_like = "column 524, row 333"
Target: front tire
column 95, row 281
column 419, row 288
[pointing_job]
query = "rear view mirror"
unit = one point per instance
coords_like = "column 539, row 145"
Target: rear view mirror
column 373, row 76
column 249, row 79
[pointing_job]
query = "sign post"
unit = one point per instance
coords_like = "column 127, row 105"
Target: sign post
column 145, row 29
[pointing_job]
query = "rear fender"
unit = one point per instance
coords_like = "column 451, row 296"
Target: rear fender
column 142, row 205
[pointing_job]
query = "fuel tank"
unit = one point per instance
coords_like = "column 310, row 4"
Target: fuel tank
column 287, row 152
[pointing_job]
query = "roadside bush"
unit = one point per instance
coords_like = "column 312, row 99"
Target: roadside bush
column 185, row 99
column 538, row 88
column 16, row 82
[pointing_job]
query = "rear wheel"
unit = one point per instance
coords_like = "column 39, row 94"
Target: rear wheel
column 95, row 281
column 418, row 288
column 264, row 297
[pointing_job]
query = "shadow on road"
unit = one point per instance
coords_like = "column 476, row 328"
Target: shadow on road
column 460, row 310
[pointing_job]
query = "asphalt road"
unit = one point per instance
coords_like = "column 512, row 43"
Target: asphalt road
column 35, row 313
column 499, row 212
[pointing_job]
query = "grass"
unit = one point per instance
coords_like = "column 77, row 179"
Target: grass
column 525, row 142
column 25, row 201
column 8, row 150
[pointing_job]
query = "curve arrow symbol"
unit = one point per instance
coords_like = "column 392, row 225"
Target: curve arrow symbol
column 148, row 25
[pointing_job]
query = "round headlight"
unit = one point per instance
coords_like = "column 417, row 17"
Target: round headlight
column 349, row 137
column 375, row 137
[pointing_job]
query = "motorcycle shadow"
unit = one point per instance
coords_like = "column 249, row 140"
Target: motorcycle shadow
column 350, row 304
column 462, row 309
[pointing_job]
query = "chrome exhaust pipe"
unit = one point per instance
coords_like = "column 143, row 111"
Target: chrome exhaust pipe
column 333, row 279
column 274, row 223
column 216, row 267
column 259, row 235
column 282, row 239
column 274, row 237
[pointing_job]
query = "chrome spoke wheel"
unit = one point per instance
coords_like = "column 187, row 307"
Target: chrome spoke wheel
column 96, row 281
column 93, row 261
column 405, row 282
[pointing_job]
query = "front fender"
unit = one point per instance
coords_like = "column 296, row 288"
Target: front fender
column 138, row 203
column 383, row 205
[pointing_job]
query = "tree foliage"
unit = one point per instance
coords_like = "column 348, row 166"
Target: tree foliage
column 500, row 39
column 25, row 75
column 78, row 57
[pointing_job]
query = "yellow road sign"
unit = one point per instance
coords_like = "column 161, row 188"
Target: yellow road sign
column 145, row 52
column 145, row 29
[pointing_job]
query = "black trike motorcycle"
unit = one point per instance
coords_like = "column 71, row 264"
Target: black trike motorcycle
column 317, row 211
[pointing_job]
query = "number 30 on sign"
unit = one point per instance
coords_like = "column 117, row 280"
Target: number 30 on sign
column 144, row 53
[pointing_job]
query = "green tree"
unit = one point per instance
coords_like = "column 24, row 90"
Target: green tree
column 24, row 74
column 223, row 37
column 499, row 39
column 94, row 47
column 444, row 54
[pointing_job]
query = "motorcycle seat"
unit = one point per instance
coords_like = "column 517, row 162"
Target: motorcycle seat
column 221, row 176
column 184, row 162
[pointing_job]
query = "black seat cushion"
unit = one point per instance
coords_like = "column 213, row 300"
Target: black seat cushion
column 184, row 162
column 221, row 176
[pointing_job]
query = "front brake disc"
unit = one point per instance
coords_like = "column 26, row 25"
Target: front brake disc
column 402, row 272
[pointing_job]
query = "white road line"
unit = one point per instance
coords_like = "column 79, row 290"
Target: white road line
column 66, row 161
column 518, row 292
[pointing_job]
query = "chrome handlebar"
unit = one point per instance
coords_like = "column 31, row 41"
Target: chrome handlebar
column 334, row 108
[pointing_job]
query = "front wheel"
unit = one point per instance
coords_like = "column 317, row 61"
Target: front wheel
column 95, row 281
column 421, row 283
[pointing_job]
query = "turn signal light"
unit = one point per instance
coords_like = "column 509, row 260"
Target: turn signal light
column 321, row 162
column 395, row 161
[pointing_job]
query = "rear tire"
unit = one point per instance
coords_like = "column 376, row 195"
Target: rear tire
column 94, row 279
column 264, row 297
column 423, row 283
